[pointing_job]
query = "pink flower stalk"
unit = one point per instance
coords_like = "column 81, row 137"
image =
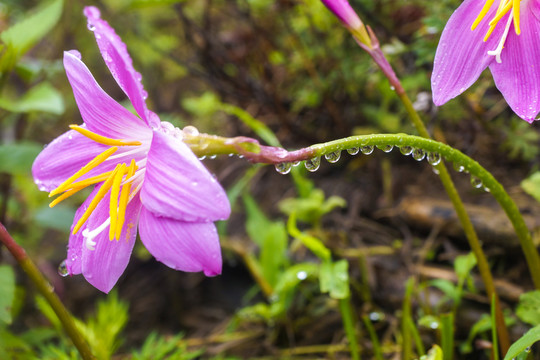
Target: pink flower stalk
column 142, row 173
column 501, row 35
column 345, row 13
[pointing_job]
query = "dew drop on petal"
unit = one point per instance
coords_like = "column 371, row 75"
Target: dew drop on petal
column 62, row 269
column 353, row 150
column 191, row 130
column 476, row 182
column 91, row 27
column 202, row 157
column 385, row 148
column 313, row 164
column 333, row 156
column 284, row 168
column 366, row 150
column 406, row 150
column 434, row 158
column 418, row 154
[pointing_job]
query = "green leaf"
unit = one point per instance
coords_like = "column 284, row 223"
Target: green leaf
column 26, row 33
column 312, row 243
column 528, row 309
column 17, row 158
column 523, row 344
column 7, row 293
column 463, row 266
column 334, row 279
column 310, row 209
column 531, row 185
column 42, row 97
column 59, row 217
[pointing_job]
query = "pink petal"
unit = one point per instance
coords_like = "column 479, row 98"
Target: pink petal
column 64, row 156
column 100, row 112
column 180, row 245
column 177, row 184
column 344, row 12
column 103, row 266
column 518, row 77
column 462, row 54
column 119, row 62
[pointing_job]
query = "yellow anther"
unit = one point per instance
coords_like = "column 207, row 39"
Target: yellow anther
column 482, row 14
column 85, row 169
column 113, row 203
column 95, row 201
column 516, row 17
column 102, row 139
column 63, row 197
column 501, row 12
column 124, row 197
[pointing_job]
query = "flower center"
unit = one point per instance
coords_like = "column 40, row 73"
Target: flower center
column 504, row 7
column 119, row 181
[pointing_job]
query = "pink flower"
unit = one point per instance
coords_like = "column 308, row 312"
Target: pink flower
column 143, row 175
column 345, row 13
column 503, row 36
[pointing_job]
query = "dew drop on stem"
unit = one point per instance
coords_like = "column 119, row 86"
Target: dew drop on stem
column 284, row 168
column 385, row 148
column 476, row 182
column 353, row 150
column 406, row 150
column 366, row 150
column 434, row 158
column 62, row 269
column 418, row 154
column 313, row 164
column 458, row 167
column 333, row 157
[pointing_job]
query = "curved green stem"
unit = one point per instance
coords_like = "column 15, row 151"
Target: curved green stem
column 47, row 291
column 457, row 157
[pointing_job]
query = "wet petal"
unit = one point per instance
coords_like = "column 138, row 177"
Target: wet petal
column 518, row 77
column 178, row 185
column 462, row 54
column 101, row 113
column 62, row 158
column 180, row 245
column 103, row 266
column 119, row 62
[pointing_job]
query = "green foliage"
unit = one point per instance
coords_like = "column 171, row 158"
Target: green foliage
column 158, row 347
column 528, row 309
column 334, row 279
column 311, row 208
column 42, row 97
column 17, row 159
column 7, row 293
column 531, row 185
column 19, row 38
column 520, row 141
column 520, row 349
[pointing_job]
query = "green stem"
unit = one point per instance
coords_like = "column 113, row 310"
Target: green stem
column 46, row 290
column 348, row 324
column 457, row 157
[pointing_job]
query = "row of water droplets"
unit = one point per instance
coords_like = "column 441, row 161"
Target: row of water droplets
column 433, row 158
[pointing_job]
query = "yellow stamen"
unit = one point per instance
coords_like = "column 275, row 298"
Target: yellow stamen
column 516, row 17
column 124, row 196
column 113, row 204
column 102, row 139
column 483, row 13
column 95, row 201
column 64, row 196
column 501, row 12
column 85, row 169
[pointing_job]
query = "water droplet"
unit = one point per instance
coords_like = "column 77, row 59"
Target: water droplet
column 301, row 275
column 62, row 269
column 406, row 150
column 212, row 157
column 418, row 154
column 434, row 158
column 296, row 163
column 138, row 76
column 527, row 349
column 486, row 189
column 434, row 325
column 385, row 148
column 476, row 182
column 313, row 164
column 366, row 150
column 191, row 130
column 333, row 156
column 144, row 94
column 284, row 168
column 353, row 150
column 202, row 157
column 376, row 316
column 435, row 170
column 91, row 27
column 392, row 88
column 459, row 167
